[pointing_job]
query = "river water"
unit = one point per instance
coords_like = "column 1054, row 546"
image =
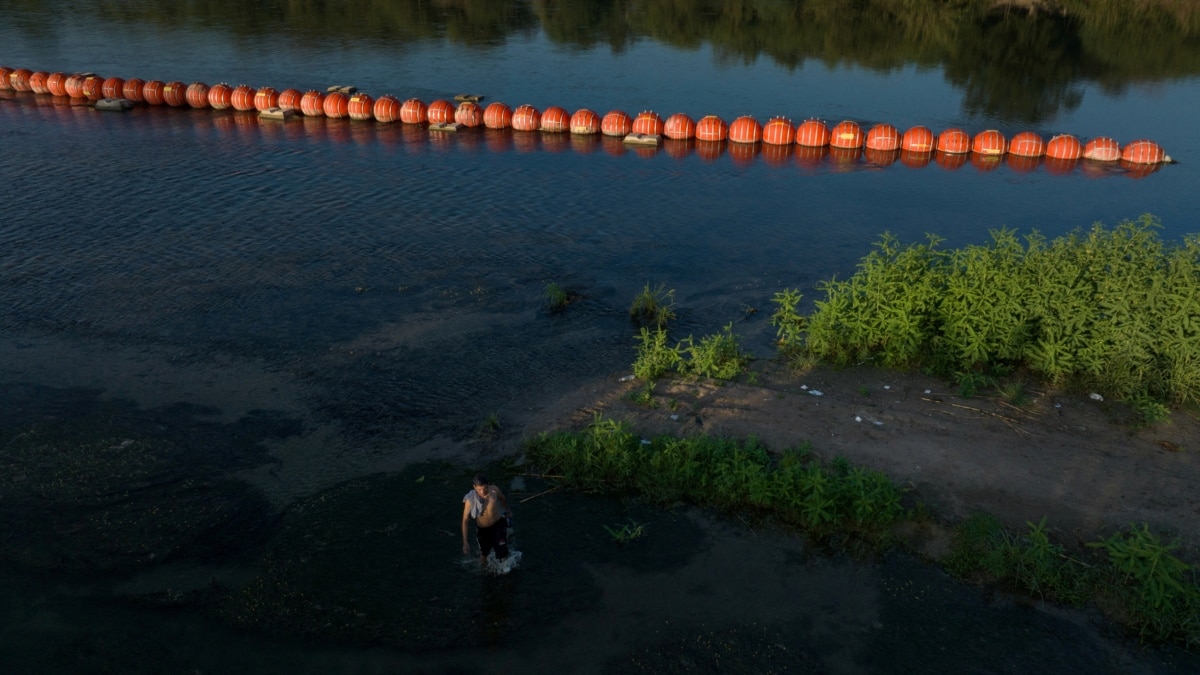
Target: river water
column 234, row 353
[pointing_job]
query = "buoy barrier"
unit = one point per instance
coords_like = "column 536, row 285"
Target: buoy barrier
column 744, row 139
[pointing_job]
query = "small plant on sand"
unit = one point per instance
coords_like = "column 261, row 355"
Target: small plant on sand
column 626, row 533
column 643, row 396
column 1015, row 392
column 1147, row 411
column 653, row 306
column 489, row 428
column 718, row 356
column 654, row 357
column 555, row 297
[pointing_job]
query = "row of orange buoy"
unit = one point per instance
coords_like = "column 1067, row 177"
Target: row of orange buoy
column 346, row 102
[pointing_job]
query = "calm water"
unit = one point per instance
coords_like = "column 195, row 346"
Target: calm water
column 269, row 311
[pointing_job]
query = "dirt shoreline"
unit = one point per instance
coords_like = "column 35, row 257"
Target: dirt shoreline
column 1077, row 461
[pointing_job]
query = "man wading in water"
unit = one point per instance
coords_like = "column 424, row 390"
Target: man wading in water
column 487, row 505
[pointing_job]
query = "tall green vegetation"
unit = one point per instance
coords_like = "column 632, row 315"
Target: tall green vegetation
column 717, row 356
column 1114, row 309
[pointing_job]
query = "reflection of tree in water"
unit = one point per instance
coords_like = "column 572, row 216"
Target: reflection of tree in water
column 1016, row 59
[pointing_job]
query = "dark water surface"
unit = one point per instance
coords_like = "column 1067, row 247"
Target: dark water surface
column 228, row 348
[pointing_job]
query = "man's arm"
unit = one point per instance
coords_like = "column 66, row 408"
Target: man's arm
column 466, row 518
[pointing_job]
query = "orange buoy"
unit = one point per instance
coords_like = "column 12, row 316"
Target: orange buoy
column 583, row 122
column 197, row 95
column 468, row 114
column 616, row 123
column 18, row 80
column 526, row 118
column 648, row 123
column 361, row 107
column 386, row 109
column 336, row 105
column 175, row 94
column 1064, row 146
column 883, row 136
column 152, row 92
column 220, row 96
column 440, row 111
column 243, row 97
column 134, row 89
column 1027, row 144
column 916, row 159
column 56, row 84
column 414, row 111
column 265, row 98
column 497, row 116
column 918, row 140
column 880, row 157
column 556, row 119
column 679, row 127
column 778, row 131
column 113, row 87
column 289, row 99
column 990, row 142
column 812, row 133
column 1021, row 163
column 5, row 75
column 74, row 86
column 37, row 82
column 1143, row 151
column 744, row 129
column 953, row 142
column 711, row 129
column 93, row 87
column 1102, row 149
column 776, row 155
column 846, row 134
column 952, row 161
column 312, row 103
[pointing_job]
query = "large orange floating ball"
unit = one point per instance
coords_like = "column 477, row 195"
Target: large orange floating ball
column 243, row 97
column 312, row 103
column 289, row 99
column 1102, row 149
column 648, row 123
column 336, row 105
column 812, row 133
column 93, row 87
column 134, row 90
column 846, row 134
column 414, row 111
column 197, row 95
column 883, row 136
column 584, row 122
column 711, row 129
column 1027, row 144
column 468, row 114
column 113, row 87
column 1064, row 146
column 779, row 131
column 616, row 123
column 953, row 142
column 5, row 75
column 744, row 130
column 679, row 127
column 175, row 94
column 56, row 84
column 37, row 82
column 1143, row 151
column 497, row 116
column 74, row 86
column 990, row 142
column 526, row 118
column 152, row 92
column 386, row 109
column 555, row 120
column 361, row 107
column 220, row 96
column 440, row 111
column 266, row 98
column 18, row 80
column 918, row 140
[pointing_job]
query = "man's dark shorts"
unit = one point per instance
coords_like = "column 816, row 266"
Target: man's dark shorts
column 494, row 538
